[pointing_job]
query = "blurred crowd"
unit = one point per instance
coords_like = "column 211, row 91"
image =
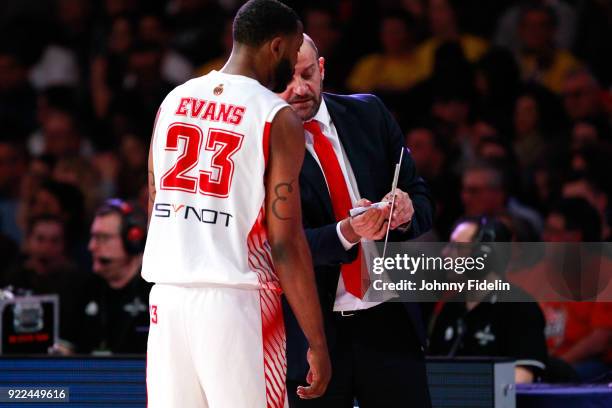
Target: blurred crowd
column 506, row 106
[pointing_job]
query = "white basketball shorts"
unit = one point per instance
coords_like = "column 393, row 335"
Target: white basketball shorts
column 212, row 347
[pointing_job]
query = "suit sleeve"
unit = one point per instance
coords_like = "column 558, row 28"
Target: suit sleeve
column 326, row 248
column 408, row 181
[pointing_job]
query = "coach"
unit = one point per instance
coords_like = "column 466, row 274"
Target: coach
column 352, row 143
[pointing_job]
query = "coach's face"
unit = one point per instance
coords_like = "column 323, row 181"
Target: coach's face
column 304, row 91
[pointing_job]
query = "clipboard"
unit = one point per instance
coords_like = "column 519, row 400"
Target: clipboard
column 398, row 167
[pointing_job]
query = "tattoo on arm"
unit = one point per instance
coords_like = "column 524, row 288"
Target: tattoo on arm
column 152, row 190
column 281, row 190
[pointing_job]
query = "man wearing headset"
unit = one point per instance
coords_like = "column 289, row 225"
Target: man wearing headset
column 115, row 307
column 485, row 324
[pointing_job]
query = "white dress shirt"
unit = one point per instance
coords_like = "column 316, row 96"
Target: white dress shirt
column 344, row 300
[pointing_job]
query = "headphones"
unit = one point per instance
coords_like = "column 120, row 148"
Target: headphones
column 486, row 233
column 133, row 225
column 491, row 230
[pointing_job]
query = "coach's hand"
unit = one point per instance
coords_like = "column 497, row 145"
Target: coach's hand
column 319, row 374
column 371, row 225
column 403, row 209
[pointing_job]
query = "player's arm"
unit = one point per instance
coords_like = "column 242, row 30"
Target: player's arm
column 150, row 182
column 290, row 253
column 151, row 170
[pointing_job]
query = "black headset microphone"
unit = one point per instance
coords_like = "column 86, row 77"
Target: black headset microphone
column 106, row 260
column 485, row 234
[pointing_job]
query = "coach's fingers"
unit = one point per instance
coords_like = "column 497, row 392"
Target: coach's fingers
column 380, row 234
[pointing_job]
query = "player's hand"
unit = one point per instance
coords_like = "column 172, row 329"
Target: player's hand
column 402, row 209
column 372, row 224
column 319, row 374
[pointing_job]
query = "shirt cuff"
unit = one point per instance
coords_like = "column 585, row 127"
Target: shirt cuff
column 405, row 227
column 345, row 242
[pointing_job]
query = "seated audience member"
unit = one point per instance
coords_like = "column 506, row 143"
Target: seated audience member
column 175, row 68
column 45, row 268
column 67, row 202
column 115, row 311
column 432, row 158
column 539, row 58
column 485, row 192
column 226, row 42
column 583, row 100
column 507, row 35
column 445, row 27
column 484, row 324
column 580, row 333
column 592, row 189
column 13, row 168
column 395, row 69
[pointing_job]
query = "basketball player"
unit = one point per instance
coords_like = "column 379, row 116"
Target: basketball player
column 225, row 231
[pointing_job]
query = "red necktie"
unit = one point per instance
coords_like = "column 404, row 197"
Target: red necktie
column 341, row 203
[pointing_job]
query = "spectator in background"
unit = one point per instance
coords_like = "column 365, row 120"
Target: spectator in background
column 483, row 324
column 56, row 65
column 529, row 142
column 132, row 171
column 17, row 97
column 80, row 173
column 507, row 34
column 197, row 25
column 226, row 41
column 583, row 101
column 13, row 167
column 144, row 87
column 592, row 29
column 395, row 69
column 580, row 333
column 431, row 155
column 418, row 10
column 540, row 59
column 485, row 192
column 446, row 96
column 109, row 67
column 584, row 133
column 592, row 190
column 320, row 22
column 115, row 313
column 66, row 202
column 45, row 268
column 445, row 26
column 497, row 81
column 539, row 124
column 73, row 30
column 61, row 136
column 175, row 68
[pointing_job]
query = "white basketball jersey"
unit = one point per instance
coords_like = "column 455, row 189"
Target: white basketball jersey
column 210, row 145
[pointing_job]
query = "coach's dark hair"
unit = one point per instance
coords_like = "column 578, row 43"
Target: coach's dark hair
column 260, row 20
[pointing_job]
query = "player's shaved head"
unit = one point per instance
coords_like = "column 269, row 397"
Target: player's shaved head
column 258, row 21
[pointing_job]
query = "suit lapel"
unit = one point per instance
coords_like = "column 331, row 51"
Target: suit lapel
column 312, row 173
column 354, row 145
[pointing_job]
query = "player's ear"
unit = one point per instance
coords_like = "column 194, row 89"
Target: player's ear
column 277, row 47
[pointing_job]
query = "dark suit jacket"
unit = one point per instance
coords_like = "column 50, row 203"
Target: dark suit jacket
column 372, row 141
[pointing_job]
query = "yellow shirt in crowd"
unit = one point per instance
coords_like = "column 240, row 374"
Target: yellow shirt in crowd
column 553, row 76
